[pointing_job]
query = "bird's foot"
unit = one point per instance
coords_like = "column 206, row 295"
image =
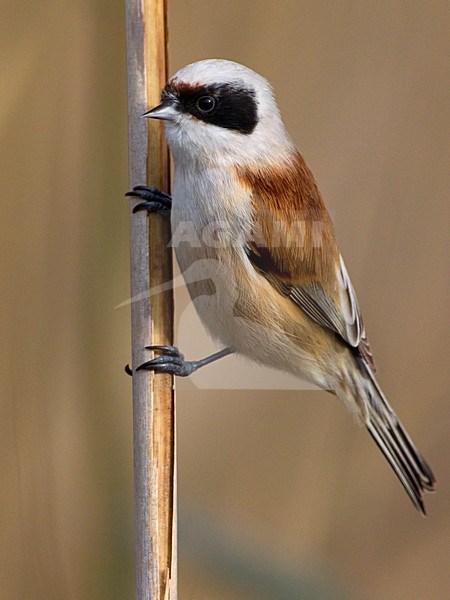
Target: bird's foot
column 153, row 199
column 171, row 361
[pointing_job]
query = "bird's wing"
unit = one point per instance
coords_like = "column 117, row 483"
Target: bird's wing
column 293, row 245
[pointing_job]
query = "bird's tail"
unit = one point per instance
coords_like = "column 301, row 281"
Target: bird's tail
column 391, row 437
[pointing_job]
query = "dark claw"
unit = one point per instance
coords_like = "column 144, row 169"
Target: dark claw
column 128, row 370
column 161, row 360
column 172, row 361
column 156, row 362
column 166, row 364
column 149, row 207
column 154, row 199
column 170, row 350
column 148, row 191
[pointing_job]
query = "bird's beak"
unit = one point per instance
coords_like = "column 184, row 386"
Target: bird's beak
column 165, row 111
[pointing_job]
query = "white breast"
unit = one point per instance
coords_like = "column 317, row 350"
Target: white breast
column 208, row 197
column 211, row 222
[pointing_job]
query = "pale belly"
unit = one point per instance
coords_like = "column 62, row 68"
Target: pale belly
column 241, row 310
column 238, row 307
column 212, row 286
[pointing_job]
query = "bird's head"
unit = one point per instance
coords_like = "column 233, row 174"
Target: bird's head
column 220, row 112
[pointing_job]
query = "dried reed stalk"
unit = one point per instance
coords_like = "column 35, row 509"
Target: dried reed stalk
column 151, row 317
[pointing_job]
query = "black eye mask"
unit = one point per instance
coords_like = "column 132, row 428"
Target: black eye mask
column 223, row 105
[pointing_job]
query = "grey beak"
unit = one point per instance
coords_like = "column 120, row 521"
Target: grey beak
column 165, row 111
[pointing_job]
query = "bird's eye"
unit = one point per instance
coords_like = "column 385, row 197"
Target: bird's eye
column 206, row 104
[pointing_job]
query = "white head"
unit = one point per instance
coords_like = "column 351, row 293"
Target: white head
column 220, row 112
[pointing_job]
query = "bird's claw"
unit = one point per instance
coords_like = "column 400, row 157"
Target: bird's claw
column 170, row 350
column 171, row 361
column 153, row 199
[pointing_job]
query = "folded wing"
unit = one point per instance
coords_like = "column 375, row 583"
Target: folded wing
column 293, row 245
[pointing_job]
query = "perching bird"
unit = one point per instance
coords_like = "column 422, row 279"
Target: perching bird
column 265, row 273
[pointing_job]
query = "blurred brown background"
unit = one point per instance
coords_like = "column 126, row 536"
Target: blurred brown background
column 281, row 495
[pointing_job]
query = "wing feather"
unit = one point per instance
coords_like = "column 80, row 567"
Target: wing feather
column 310, row 271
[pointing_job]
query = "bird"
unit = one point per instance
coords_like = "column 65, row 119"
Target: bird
column 258, row 249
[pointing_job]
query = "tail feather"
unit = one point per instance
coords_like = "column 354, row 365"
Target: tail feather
column 393, row 440
column 427, row 476
column 408, row 478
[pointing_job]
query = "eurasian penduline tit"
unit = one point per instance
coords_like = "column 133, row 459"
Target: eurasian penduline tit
column 265, row 272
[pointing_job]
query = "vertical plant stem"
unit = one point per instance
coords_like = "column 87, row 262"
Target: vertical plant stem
column 151, row 316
